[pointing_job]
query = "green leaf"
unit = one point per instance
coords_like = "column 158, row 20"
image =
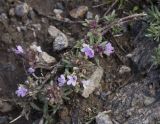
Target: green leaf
column 111, row 17
column 45, row 109
column 34, row 106
column 91, row 38
column 99, row 39
column 135, row 8
column 55, row 109
column 65, row 97
column 97, row 61
column 68, row 92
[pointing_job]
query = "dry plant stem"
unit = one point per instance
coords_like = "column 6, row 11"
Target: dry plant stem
column 51, row 74
column 119, row 58
column 150, row 68
column 96, row 6
column 121, row 21
column 110, row 8
column 117, row 43
column 16, row 119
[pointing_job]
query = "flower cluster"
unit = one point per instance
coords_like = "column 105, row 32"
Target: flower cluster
column 71, row 80
column 31, row 70
column 21, row 91
column 89, row 52
column 108, row 49
column 18, row 50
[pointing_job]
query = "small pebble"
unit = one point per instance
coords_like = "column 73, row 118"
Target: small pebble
column 148, row 100
column 124, row 69
column 21, row 9
column 31, row 14
column 89, row 15
column 58, row 13
column 59, row 5
column 3, row 16
column 11, row 12
column 60, row 43
column 103, row 118
column 78, row 12
column 3, row 120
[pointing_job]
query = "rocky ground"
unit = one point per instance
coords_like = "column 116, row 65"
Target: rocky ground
column 129, row 89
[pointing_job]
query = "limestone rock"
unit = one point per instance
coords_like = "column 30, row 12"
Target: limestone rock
column 60, row 39
column 124, row 69
column 78, row 12
column 103, row 118
column 21, row 9
column 93, row 82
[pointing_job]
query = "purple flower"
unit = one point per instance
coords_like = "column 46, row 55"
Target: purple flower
column 88, row 51
column 93, row 24
column 21, row 91
column 72, row 80
column 61, row 80
column 31, row 70
column 18, row 50
column 108, row 49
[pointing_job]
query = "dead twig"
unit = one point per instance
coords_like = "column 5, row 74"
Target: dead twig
column 96, row 6
column 110, row 8
column 120, row 47
column 121, row 21
column 14, row 120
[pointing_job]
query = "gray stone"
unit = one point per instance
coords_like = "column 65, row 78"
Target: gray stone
column 5, row 107
column 11, row 12
column 60, row 43
column 58, row 13
column 59, row 5
column 60, row 39
column 21, row 9
column 78, row 12
column 6, row 38
column 93, row 82
column 47, row 58
column 42, row 57
column 103, row 118
column 53, row 31
column 3, row 17
column 31, row 14
column 148, row 100
column 3, row 120
column 89, row 15
column 124, row 69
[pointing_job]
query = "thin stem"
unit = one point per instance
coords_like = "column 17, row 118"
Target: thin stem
column 16, row 118
column 121, row 21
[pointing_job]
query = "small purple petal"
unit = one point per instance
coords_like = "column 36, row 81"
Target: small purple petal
column 109, row 49
column 93, row 24
column 74, row 83
column 72, row 80
column 61, row 80
column 31, row 70
column 89, row 52
column 21, row 91
column 18, row 50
